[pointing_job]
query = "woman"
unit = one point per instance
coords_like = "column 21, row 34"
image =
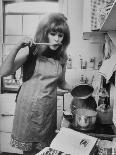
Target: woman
column 44, row 69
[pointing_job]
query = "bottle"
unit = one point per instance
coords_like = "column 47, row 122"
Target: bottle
column 69, row 62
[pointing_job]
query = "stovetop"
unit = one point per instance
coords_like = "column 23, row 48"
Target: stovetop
column 103, row 131
column 98, row 129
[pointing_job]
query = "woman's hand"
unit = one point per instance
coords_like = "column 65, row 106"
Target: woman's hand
column 27, row 41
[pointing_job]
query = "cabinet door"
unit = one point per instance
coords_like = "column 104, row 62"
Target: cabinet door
column 5, row 144
column 7, row 108
column 6, row 123
column 7, row 103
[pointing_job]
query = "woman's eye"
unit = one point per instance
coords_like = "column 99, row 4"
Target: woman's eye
column 53, row 33
column 61, row 35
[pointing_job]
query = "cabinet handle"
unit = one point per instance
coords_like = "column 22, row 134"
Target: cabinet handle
column 4, row 115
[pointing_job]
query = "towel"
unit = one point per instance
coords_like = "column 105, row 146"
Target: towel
column 107, row 47
column 108, row 67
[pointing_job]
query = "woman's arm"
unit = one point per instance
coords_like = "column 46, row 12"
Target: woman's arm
column 62, row 83
column 16, row 58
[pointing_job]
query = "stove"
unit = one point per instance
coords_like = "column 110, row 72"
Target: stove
column 102, row 131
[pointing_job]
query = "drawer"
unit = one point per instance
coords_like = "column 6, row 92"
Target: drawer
column 6, row 123
column 7, row 103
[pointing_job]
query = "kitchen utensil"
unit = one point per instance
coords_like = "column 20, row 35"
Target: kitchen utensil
column 82, row 91
column 84, row 119
column 104, row 115
column 48, row 44
column 106, row 147
column 88, row 103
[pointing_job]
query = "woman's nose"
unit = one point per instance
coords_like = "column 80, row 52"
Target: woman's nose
column 56, row 37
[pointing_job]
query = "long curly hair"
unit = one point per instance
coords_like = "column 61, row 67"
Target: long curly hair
column 55, row 22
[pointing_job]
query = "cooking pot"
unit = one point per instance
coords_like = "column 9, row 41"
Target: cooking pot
column 87, row 103
column 82, row 91
column 82, row 97
column 84, row 119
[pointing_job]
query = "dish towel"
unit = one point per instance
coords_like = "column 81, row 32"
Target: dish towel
column 108, row 67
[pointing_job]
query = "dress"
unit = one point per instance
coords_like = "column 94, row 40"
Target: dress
column 36, row 106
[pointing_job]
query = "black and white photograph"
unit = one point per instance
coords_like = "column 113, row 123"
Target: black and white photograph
column 57, row 77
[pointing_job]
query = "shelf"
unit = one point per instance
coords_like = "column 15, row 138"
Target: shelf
column 94, row 36
column 110, row 22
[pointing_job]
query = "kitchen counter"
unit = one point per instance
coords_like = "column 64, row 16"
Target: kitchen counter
column 61, row 92
column 13, row 89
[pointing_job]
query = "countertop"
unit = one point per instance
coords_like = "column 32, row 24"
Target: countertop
column 60, row 92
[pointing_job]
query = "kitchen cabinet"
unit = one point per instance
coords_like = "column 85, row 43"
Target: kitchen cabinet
column 7, row 108
column 110, row 22
column 91, row 26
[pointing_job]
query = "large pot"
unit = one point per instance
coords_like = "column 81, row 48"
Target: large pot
column 82, row 97
column 82, row 91
column 83, row 107
column 84, row 119
column 88, row 103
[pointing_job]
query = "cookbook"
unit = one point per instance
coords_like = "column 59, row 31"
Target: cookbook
column 70, row 142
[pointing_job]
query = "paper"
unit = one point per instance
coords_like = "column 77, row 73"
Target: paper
column 73, row 142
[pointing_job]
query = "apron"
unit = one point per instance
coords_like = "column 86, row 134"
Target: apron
column 36, row 108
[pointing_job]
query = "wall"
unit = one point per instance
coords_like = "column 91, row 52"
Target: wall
column 78, row 46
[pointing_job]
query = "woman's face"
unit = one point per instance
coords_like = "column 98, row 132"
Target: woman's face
column 55, row 38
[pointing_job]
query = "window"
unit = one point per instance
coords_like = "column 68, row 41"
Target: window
column 21, row 19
